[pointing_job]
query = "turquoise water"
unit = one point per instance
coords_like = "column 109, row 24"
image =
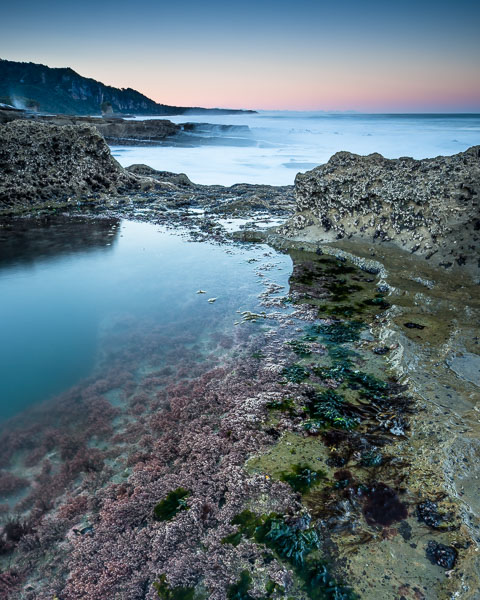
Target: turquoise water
column 73, row 291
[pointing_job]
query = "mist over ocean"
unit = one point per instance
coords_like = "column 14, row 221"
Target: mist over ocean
column 271, row 147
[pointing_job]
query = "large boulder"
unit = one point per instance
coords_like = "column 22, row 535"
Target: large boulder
column 429, row 207
column 44, row 163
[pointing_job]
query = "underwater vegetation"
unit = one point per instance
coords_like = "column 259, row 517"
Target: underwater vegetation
column 295, row 541
column 338, row 332
column 300, row 348
column 193, row 426
column 371, row 459
column 302, row 478
column 291, row 542
column 240, row 589
column 329, row 408
column 175, row 501
column 165, row 592
column 286, row 405
column 295, row 373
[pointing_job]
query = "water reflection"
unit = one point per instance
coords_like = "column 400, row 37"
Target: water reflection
column 29, row 241
column 76, row 293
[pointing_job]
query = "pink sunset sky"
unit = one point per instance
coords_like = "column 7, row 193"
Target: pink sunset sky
column 372, row 56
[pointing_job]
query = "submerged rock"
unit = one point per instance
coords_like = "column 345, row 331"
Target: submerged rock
column 441, row 555
column 430, row 207
column 466, row 366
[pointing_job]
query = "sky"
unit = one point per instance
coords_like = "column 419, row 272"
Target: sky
column 368, row 56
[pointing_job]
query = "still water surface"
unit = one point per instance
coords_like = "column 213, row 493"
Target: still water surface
column 66, row 285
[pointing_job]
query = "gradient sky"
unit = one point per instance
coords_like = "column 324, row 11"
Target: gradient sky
column 377, row 56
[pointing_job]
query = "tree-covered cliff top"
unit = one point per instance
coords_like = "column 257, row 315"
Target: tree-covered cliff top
column 63, row 91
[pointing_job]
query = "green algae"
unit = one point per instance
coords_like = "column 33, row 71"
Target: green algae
column 285, row 405
column 301, row 478
column 329, row 409
column 294, row 542
column 339, row 332
column 300, row 348
column 171, row 505
column 371, row 459
column 295, row 373
column 291, row 543
column 165, row 592
column 240, row 589
column 319, row 584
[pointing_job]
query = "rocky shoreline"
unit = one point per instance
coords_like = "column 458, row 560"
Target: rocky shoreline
column 354, row 371
column 429, row 208
column 313, row 427
column 53, row 167
column 115, row 130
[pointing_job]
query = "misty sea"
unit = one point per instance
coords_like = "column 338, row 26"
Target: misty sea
column 272, row 147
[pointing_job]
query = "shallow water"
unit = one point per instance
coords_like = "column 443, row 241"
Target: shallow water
column 271, row 147
column 65, row 285
column 135, row 353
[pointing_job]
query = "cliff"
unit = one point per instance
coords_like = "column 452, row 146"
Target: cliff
column 428, row 207
column 63, row 91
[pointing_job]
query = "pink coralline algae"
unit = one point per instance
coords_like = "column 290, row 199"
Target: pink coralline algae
column 10, row 483
column 95, row 485
column 163, row 415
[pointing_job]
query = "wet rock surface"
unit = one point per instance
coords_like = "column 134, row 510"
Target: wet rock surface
column 428, row 207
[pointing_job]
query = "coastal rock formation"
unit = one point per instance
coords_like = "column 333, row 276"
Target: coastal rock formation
column 42, row 163
column 113, row 129
column 121, row 131
column 48, row 165
column 429, row 207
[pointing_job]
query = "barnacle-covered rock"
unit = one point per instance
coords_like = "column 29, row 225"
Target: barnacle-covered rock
column 429, row 207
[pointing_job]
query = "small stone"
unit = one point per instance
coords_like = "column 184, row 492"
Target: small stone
column 411, row 325
column 441, row 555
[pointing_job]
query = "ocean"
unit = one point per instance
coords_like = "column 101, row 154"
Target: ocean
column 272, row 147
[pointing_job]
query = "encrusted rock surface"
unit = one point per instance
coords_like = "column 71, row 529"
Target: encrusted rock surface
column 429, row 207
column 41, row 163
column 115, row 130
column 48, row 166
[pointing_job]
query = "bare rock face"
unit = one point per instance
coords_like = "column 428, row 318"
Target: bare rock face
column 429, row 207
column 42, row 163
column 121, row 131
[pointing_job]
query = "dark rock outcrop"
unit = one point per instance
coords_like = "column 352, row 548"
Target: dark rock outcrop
column 42, row 163
column 46, row 165
column 429, row 207
column 114, row 130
